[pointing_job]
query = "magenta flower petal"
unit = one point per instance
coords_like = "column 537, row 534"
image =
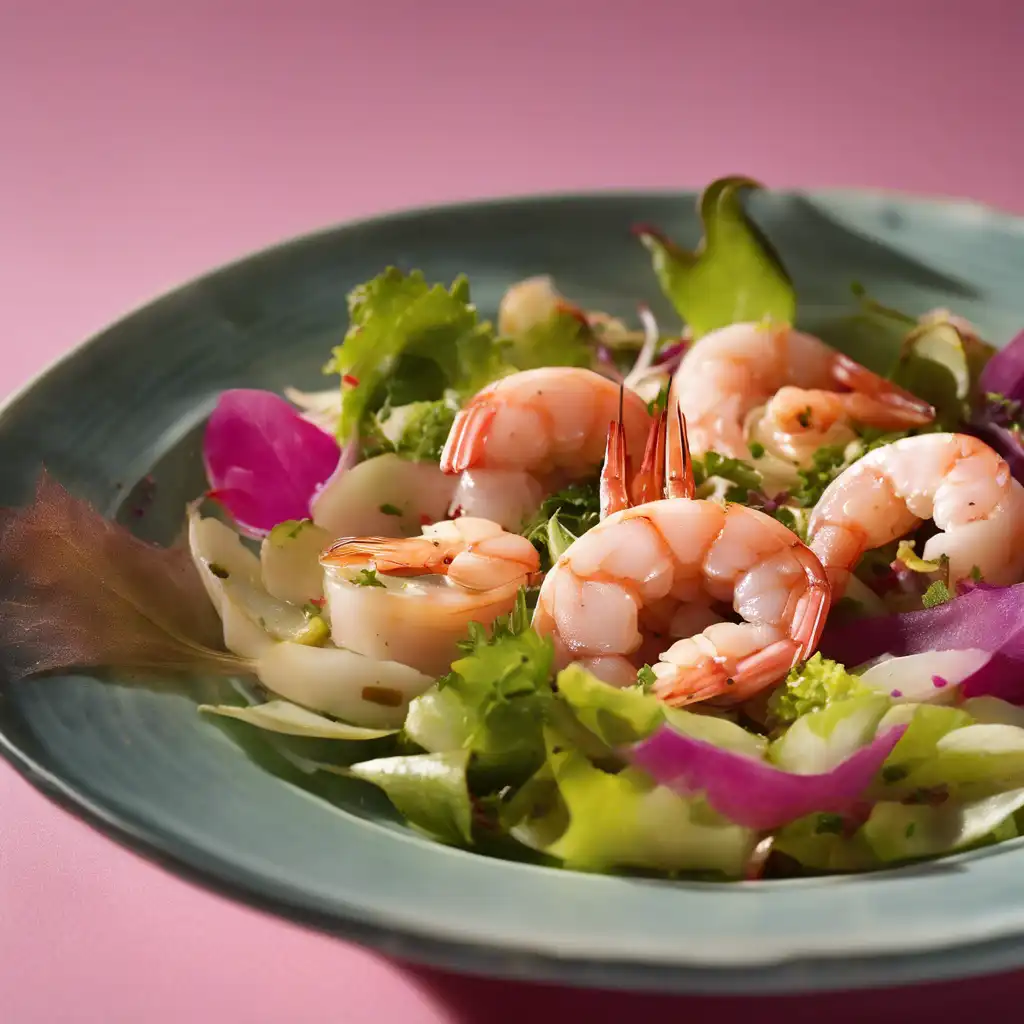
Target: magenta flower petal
column 753, row 793
column 264, row 461
column 984, row 617
column 1004, row 372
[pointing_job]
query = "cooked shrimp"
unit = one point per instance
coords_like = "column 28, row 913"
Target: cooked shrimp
column 731, row 373
column 412, row 600
column 955, row 480
column 656, row 571
column 528, row 434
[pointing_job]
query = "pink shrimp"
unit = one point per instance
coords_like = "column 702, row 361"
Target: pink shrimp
column 662, row 568
column 530, row 433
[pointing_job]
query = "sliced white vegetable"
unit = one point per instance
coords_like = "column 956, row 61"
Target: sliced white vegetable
column 290, row 719
column 931, row 677
column 360, row 690
column 219, row 556
column 983, row 739
column 507, row 497
column 361, row 501
column 252, row 618
column 290, row 561
column 322, row 408
column 993, row 711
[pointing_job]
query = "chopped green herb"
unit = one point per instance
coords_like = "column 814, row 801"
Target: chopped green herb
column 936, row 594
column 646, row 678
column 804, row 417
column 577, row 508
column 756, row 450
column 976, row 574
column 367, row 578
column 894, row 773
column 829, row 824
column 218, row 570
column 911, row 829
column 391, row 510
column 743, row 477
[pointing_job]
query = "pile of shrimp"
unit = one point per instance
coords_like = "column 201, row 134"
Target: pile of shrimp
column 719, row 599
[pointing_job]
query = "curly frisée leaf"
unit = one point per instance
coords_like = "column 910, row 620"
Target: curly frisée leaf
column 810, row 687
column 735, row 275
column 410, row 341
column 494, row 700
column 79, row 591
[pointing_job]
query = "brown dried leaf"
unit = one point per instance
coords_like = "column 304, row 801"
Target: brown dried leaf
column 80, row 591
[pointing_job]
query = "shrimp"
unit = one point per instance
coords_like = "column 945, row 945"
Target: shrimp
column 657, row 571
column 955, row 480
column 411, row 600
column 726, row 379
column 528, row 434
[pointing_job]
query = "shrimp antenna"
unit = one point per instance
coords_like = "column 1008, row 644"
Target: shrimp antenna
column 679, row 481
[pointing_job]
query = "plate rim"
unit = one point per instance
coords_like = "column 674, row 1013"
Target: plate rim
column 795, row 974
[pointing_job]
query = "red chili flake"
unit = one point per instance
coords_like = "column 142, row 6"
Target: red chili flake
column 938, row 682
column 458, row 511
column 349, row 381
column 318, row 602
column 425, row 520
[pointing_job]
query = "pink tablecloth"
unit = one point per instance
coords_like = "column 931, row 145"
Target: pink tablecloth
column 138, row 149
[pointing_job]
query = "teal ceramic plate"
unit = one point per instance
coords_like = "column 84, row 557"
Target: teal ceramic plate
column 145, row 768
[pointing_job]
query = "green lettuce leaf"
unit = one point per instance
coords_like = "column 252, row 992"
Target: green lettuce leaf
column 429, row 790
column 622, row 716
column 735, row 274
column 899, row 832
column 820, row 739
column 625, row 820
column 409, row 341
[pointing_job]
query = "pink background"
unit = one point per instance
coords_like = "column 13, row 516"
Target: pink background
column 138, row 149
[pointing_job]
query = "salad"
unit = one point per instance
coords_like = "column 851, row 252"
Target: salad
column 709, row 599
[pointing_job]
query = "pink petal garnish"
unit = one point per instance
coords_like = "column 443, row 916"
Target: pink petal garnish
column 753, row 793
column 264, row 461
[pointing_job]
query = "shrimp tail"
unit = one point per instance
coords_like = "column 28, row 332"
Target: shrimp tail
column 615, row 471
column 411, row 556
column 809, row 620
column 464, row 447
column 649, row 483
column 914, row 411
column 679, row 481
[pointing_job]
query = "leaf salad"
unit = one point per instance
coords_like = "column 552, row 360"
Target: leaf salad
column 706, row 599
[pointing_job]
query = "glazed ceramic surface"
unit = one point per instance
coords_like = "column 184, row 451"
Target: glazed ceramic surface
column 118, row 422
